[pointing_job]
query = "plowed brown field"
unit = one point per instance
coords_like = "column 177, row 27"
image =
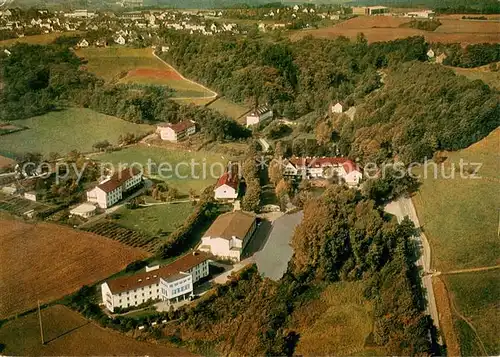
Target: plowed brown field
column 47, row 261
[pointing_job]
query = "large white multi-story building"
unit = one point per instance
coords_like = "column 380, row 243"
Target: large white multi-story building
column 171, row 283
column 110, row 191
column 229, row 235
column 323, row 167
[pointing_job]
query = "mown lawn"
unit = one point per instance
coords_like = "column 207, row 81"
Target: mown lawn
column 153, row 219
column 229, row 108
column 181, row 169
column 460, row 216
column 66, row 130
column 113, row 64
column 477, row 297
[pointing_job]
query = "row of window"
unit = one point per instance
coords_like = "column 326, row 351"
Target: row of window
column 180, row 290
column 140, row 289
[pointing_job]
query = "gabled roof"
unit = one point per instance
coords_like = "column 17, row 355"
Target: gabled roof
column 317, row 162
column 232, row 224
column 178, row 127
column 228, row 179
column 118, row 179
column 167, row 272
column 260, row 110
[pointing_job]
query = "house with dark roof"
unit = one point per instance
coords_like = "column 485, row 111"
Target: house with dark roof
column 229, row 235
column 111, row 190
column 323, row 168
column 171, row 283
column 176, row 132
column 259, row 114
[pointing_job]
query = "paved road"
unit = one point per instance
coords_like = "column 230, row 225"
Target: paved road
column 402, row 208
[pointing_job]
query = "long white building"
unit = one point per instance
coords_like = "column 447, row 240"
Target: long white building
column 110, row 191
column 172, row 283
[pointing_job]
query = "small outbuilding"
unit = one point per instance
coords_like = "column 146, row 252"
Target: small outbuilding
column 85, row 210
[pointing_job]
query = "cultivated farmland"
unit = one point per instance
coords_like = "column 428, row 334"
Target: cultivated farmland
column 63, row 131
column 124, row 235
column 176, row 165
column 139, row 66
column 46, row 262
column 385, row 28
column 68, row 333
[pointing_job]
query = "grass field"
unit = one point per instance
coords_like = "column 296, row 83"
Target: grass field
column 476, row 296
column 46, row 262
column 338, row 323
column 385, row 28
column 63, row 131
column 460, row 216
column 70, row 334
column 154, row 218
column 229, row 108
column 483, row 73
column 177, row 170
column 38, row 39
column 139, row 66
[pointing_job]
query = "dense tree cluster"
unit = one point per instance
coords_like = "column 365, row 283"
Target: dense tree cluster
column 472, row 55
column 420, row 110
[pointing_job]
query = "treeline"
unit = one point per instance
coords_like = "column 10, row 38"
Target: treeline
column 38, row 79
column 421, row 109
column 471, row 56
column 294, row 77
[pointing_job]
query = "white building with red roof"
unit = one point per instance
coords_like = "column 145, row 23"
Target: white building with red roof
column 323, row 168
column 176, row 132
column 111, row 190
column 227, row 187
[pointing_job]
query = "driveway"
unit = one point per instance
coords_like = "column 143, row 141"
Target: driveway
column 273, row 259
column 402, row 208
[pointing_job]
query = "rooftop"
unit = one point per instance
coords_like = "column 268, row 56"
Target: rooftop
column 178, row 127
column 317, row 162
column 118, row 179
column 232, row 224
column 228, row 179
column 167, row 272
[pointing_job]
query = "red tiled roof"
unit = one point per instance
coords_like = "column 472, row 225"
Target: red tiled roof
column 228, row 179
column 118, row 179
column 143, row 279
column 316, row 162
column 178, row 127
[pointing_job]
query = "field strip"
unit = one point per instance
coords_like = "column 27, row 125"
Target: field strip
column 213, row 94
column 470, row 270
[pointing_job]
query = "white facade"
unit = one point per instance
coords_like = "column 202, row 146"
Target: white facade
column 104, row 199
column 168, row 133
column 83, row 43
column 120, row 40
column 225, row 192
column 30, row 196
column 171, row 287
column 224, row 248
column 337, row 108
column 256, row 116
column 430, row 53
column 109, row 192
